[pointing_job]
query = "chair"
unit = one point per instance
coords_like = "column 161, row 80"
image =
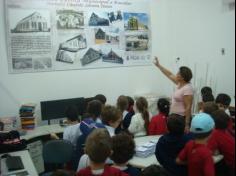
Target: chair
column 56, row 153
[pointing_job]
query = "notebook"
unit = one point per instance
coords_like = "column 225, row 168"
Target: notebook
column 14, row 163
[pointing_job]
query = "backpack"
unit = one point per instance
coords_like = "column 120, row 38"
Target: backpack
column 10, row 142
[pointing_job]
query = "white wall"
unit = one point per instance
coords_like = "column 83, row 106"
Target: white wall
column 194, row 30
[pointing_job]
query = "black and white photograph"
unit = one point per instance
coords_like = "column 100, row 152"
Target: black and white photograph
column 112, row 57
column 70, row 19
column 29, row 21
column 137, row 42
column 91, row 56
column 107, row 36
column 22, row 63
column 115, row 16
column 99, row 19
column 42, row 64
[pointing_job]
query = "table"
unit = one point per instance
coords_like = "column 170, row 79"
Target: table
column 145, row 162
column 27, row 162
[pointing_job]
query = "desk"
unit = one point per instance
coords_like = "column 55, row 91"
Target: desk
column 26, row 159
column 145, row 162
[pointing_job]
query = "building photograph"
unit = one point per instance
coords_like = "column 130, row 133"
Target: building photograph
column 35, row 22
column 137, row 42
column 70, row 19
column 115, row 16
column 98, row 20
column 136, row 21
column 91, row 55
column 102, row 36
column 112, row 57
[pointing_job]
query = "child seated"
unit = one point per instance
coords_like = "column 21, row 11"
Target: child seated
column 123, row 147
column 94, row 110
column 171, row 144
column 158, row 124
column 140, row 121
column 224, row 101
column 210, row 107
column 207, row 94
column 222, row 141
column 196, row 153
column 154, row 170
column 99, row 148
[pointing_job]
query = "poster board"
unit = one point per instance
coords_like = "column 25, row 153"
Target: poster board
column 51, row 35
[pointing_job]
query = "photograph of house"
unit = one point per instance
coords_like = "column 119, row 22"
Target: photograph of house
column 112, row 57
column 65, row 56
column 96, row 20
column 136, row 21
column 137, row 42
column 91, row 56
column 115, row 16
column 32, row 23
column 70, row 19
column 22, row 63
column 102, row 37
column 42, row 64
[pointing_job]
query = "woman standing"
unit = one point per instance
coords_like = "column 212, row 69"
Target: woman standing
column 182, row 99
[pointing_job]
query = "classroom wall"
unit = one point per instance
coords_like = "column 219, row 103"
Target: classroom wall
column 193, row 30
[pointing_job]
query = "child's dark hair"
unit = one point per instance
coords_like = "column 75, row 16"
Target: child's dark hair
column 123, row 147
column 221, row 119
column 122, row 103
column 164, row 106
column 94, row 109
column 130, row 102
column 142, row 106
column 210, row 107
column 202, row 135
column 223, row 99
column 102, row 98
column 98, row 146
column 110, row 114
column 154, row 170
column 176, row 124
column 207, row 94
column 72, row 113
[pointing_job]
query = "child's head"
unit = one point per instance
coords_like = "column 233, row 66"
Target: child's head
column 98, row 146
column 163, row 106
column 154, row 170
column 207, row 94
column 63, row 173
column 123, row 147
column 221, row 119
column 101, row 98
column 202, row 126
column 94, row 109
column 142, row 107
column 223, row 101
column 210, row 107
column 176, row 124
column 111, row 116
column 122, row 103
column 72, row 114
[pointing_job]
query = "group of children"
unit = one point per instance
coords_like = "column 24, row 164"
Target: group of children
column 104, row 137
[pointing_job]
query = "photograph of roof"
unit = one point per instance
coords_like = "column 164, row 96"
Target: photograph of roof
column 137, row 42
column 74, row 44
column 91, row 56
column 136, row 21
column 35, row 22
column 96, row 20
column 112, row 57
column 70, row 19
column 109, row 37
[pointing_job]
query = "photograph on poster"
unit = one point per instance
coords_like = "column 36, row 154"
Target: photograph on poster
column 68, row 50
column 37, row 21
column 107, row 36
column 112, row 57
column 91, row 56
column 136, row 21
column 99, row 19
column 42, row 64
column 22, row 63
column 138, row 42
column 115, row 16
column 70, row 19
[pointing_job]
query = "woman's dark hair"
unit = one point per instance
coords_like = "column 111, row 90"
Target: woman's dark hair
column 123, row 147
column 72, row 113
column 101, row 98
column 176, row 124
column 164, row 106
column 221, row 119
column 223, row 99
column 207, row 94
column 142, row 106
column 186, row 74
column 94, row 109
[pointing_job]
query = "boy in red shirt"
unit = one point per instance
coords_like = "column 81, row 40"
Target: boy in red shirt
column 222, row 141
column 158, row 124
column 196, row 153
column 99, row 148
